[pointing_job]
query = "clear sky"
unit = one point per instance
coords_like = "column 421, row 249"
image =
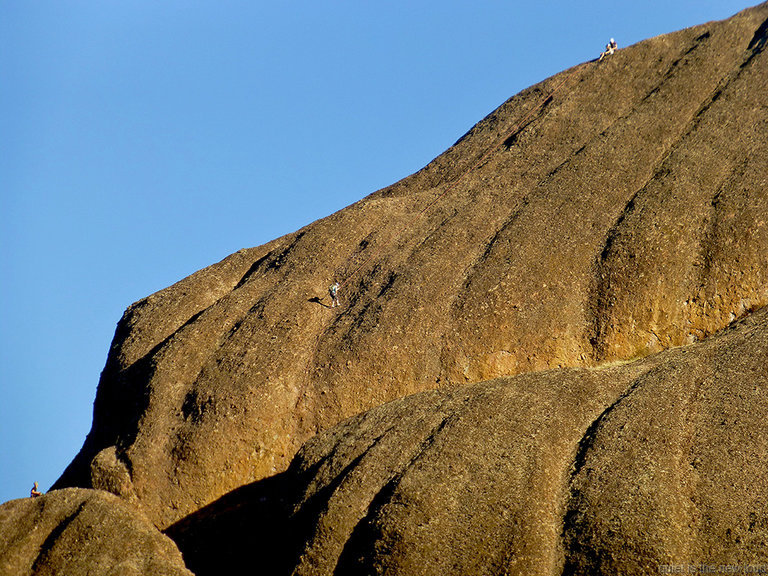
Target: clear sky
column 143, row 140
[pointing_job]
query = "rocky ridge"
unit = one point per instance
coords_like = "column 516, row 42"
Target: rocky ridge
column 605, row 227
column 579, row 314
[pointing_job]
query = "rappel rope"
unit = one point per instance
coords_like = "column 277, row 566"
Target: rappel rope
column 515, row 129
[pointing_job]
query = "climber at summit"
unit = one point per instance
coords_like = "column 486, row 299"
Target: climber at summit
column 610, row 48
column 34, row 493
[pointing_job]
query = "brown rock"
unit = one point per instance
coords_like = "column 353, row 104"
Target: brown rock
column 77, row 531
column 623, row 469
column 623, row 212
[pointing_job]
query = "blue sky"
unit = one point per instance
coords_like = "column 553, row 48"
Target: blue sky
column 141, row 141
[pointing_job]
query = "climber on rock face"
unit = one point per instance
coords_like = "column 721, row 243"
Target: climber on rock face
column 333, row 290
column 610, row 48
column 34, row 493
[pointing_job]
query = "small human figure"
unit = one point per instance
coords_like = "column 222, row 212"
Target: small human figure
column 610, row 48
column 333, row 290
column 34, row 493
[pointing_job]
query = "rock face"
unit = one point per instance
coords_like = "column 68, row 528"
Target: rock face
column 619, row 209
column 77, row 531
column 614, row 470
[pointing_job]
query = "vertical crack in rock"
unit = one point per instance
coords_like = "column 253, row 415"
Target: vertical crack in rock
column 353, row 557
column 50, row 541
column 271, row 261
column 576, row 553
column 602, row 296
column 757, row 44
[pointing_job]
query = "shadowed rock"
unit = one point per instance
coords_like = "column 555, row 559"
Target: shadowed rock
column 626, row 214
column 76, row 531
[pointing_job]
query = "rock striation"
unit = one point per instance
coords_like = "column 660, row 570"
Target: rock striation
column 621, row 469
column 619, row 210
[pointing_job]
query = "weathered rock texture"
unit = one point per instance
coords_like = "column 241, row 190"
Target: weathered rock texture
column 625, row 215
column 614, row 470
column 77, row 531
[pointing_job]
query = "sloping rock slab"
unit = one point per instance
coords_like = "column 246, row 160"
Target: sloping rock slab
column 77, row 531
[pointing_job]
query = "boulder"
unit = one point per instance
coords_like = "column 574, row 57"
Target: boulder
column 79, row 531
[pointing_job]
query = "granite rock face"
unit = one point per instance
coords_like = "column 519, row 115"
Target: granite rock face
column 78, row 531
column 622, row 469
column 619, row 470
column 619, row 210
